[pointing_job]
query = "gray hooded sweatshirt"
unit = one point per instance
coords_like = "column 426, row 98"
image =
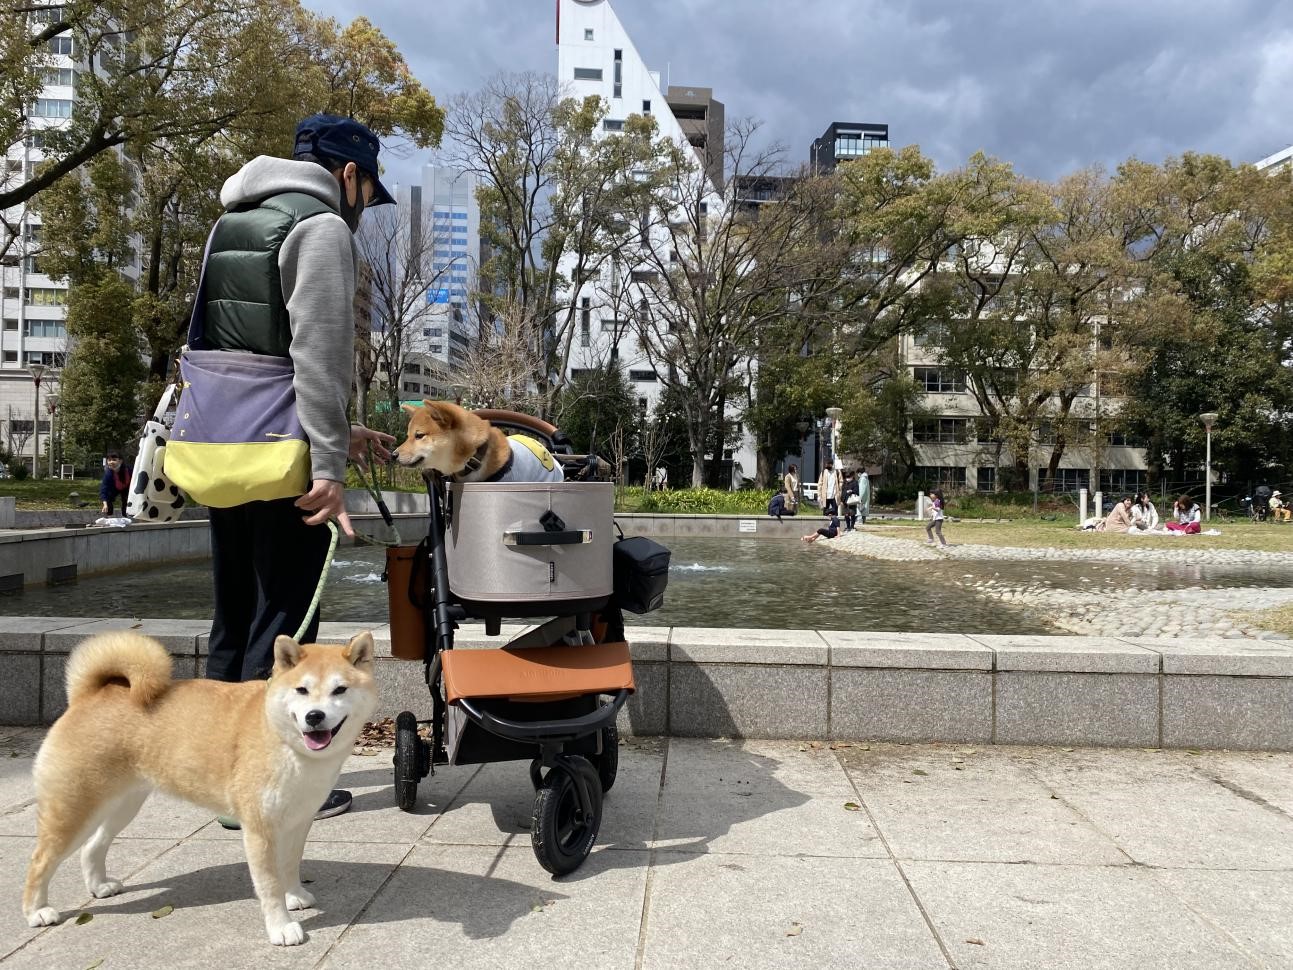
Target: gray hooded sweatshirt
column 317, row 262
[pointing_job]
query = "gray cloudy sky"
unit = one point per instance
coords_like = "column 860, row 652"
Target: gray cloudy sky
column 1050, row 85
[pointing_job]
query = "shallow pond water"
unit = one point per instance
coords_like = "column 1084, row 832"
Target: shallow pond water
column 713, row 583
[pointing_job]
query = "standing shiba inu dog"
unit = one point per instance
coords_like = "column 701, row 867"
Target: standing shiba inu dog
column 446, row 438
column 267, row 753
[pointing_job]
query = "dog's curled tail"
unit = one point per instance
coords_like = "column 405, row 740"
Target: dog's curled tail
column 125, row 658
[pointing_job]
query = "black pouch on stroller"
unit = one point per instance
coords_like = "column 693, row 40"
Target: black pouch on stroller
column 641, row 567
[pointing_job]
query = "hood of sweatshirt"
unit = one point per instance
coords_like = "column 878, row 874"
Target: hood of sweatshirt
column 264, row 176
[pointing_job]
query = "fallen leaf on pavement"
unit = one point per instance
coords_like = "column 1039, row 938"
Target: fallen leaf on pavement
column 84, row 918
column 795, row 930
column 852, row 806
column 976, row 941
column 920, row 771
column 163, row 911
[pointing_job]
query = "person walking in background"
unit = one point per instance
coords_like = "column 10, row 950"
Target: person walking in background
column 864, row 495
column 790, row 482
column 115, row 483
column 828, row 490
column 936, row 506
column 849, row 494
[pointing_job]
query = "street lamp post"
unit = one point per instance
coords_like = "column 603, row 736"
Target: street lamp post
column 51, row 402
column 1209, row 418
column 37, row 371
column 834, row 415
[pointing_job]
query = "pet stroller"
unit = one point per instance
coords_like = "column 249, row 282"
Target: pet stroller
column 498, row 551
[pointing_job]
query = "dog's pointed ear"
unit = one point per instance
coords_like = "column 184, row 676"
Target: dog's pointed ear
column 360, row 651
column 410, row 408
column 287, row 654
column 445, row 414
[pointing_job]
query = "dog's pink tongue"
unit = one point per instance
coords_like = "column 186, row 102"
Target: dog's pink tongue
column 317, row 740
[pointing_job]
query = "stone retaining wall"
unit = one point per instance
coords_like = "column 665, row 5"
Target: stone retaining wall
column 805, row 684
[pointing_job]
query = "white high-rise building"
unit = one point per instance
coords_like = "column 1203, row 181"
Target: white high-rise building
column 1280, row 161
column 596, row 56
column 33, row 308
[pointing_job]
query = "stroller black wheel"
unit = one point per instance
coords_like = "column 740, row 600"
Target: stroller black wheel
column 608, row 762
column 562, row 835
column 409, row 756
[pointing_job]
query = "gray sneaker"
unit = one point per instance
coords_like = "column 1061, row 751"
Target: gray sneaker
column 338, row 802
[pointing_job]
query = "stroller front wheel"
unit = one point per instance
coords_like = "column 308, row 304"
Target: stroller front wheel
column 411, row 761
column 561, row 831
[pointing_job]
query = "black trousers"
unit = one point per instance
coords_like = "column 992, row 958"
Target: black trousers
column 266, row 563
column 830, row 507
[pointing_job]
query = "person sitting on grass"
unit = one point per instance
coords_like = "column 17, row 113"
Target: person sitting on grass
column 1144, row 517
column 1187, row 518
column 830, row 532
column 1119, row 520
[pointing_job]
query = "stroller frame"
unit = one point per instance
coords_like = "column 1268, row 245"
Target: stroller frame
column 572, row 743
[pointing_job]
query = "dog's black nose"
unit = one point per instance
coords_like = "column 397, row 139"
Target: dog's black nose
column 314, row 717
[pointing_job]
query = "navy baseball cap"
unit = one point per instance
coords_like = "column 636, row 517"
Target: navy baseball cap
column 346, row 140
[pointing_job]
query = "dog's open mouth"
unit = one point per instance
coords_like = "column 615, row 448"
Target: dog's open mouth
column 318, row 740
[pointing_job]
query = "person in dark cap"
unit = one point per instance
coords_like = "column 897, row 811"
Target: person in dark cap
column 280, row 280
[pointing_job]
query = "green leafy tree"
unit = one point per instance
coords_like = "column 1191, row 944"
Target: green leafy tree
column 1221, row 252
column 595, row 408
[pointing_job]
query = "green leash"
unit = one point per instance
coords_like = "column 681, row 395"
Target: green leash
column 323, row 579
column 375, row 492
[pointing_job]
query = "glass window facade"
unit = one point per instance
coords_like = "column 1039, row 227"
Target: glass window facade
column 934, row 380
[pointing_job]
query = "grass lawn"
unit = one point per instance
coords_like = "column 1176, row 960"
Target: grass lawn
column 51, row 493
column 1278, row 620
column 1033, row 533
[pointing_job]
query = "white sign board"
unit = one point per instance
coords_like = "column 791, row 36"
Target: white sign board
column 749, row 525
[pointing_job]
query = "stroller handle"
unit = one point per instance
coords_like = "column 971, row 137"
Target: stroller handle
column 574, row 727
column 515, row 419
column 569, row 537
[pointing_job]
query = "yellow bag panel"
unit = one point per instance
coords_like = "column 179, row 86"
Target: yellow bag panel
column 221, row 476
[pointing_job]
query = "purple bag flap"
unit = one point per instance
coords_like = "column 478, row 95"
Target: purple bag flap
column 231, row 397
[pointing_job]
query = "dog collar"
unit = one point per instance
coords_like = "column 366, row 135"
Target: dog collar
column 474, row 462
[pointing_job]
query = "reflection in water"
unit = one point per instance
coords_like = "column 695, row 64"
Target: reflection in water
column 713, row 583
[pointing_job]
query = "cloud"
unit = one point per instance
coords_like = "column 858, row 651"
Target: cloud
column 1050, row 85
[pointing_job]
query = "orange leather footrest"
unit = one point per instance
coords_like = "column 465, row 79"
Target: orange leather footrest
column 537, row 673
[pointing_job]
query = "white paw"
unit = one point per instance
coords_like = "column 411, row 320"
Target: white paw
column 45, row 916
column 300, row 898
column 286, row 934
column 108, row 887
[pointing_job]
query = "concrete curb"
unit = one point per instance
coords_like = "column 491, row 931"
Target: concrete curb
column 806, row 684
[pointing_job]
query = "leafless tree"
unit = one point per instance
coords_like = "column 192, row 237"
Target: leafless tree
column 553, row 196
column 396, row 251
column 711, row 272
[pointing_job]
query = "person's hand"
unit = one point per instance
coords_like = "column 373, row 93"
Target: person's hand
column 359, row 439
column 326, row 499
column 103, row 509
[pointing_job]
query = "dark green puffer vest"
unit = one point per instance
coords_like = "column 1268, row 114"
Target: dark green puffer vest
column 244, row 291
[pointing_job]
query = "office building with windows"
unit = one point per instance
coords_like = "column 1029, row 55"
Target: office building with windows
column 33, row 307
column 844, row 141
column 703, row 121
column 957, row 449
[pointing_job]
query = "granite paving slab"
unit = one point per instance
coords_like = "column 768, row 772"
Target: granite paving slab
column 1011, row 917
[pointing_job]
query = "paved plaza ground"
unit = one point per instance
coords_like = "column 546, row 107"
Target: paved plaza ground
column 725, row 853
